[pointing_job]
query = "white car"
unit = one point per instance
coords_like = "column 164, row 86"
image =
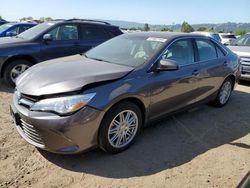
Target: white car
column 227, row 38
column 241, row 46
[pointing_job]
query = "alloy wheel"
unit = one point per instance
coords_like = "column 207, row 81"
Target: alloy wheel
column 123, row 129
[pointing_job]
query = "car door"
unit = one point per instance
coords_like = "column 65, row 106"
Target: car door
column 65, row 42
column 213, row 64
column 91, row 36
column 172, row 90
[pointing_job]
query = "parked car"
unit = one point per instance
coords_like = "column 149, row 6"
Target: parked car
column 241, row 46
column 2, row 21
column 104, row 97
column 213, row 35
column 227, row 38
column 50, row 40
column 13, row 29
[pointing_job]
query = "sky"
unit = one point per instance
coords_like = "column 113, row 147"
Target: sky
column 144, row 11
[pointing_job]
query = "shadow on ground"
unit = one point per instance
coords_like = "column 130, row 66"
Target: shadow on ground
column 169, row 143
column 4, row 87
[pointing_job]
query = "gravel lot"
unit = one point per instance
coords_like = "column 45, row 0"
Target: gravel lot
column 204, row 147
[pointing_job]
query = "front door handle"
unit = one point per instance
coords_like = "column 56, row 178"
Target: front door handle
column 195, row 72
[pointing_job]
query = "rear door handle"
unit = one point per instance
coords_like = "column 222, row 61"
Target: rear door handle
column 195, row 72
column 225, row 63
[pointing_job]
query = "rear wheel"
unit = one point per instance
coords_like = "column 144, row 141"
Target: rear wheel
column 224, row 93
column 120, row 127
column 14, row 69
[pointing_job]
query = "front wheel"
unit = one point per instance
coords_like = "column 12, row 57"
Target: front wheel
column 14, row 69
column 224, row 93
column 120, row 127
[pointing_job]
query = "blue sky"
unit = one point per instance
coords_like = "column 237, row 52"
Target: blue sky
column 145, row 11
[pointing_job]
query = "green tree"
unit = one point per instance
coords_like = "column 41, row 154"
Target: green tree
column 186, row 27
column 26, row 19
column 202, row 29
column 132, row 29
column 43, row 19
column 167, row 29
column 1, row 18
column 146, row 27
column 211, row 29
column 240, row 31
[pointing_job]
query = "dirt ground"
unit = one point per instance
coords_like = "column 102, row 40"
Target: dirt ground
column 204, row 147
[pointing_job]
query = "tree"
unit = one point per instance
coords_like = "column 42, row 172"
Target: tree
column 186, row 27
column 43, row 19
column 211, row 29
column 26, row 19
column 240, row 31
column 202, row 29
column 1, row 18
column 146, row 27
column 167, row 29
column 132, row 29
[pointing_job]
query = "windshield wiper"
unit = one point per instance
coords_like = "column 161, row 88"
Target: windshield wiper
column 97, row 59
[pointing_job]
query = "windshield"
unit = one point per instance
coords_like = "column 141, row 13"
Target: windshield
column 128, row 50
column 242, row 41
column 4, row 27
column 36, row 30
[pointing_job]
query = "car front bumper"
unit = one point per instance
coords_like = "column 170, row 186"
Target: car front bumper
column 245, row 68
column 59, row 134
column 245, row 72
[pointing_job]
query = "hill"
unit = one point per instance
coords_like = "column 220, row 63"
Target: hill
column 221, row 27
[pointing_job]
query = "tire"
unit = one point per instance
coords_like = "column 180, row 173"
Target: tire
column 14, row 69
column 112, row 130
column 227, row 88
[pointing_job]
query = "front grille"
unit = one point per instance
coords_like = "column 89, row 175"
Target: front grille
column 245, row 60
column 30, row 132
column 25, row 100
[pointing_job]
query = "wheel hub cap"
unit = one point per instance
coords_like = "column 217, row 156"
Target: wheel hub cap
column 123, row 129
column 17, row 70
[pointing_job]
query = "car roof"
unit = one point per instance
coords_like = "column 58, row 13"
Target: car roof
column 20, row 23
column 226, row 33
column 204, row 32
column 85, row 21
column 165, row 35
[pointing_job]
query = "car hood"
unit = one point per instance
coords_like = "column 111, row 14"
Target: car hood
column 243, row 51
column 67, row 74
column 7, row 41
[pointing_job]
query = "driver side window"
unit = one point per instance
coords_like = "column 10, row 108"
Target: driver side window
column 181, row 52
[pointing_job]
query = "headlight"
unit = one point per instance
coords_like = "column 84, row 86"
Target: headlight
column 63, row 105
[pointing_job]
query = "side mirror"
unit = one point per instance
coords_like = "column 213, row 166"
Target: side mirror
column 167, row 65
column 47, row 37
column 11, row 33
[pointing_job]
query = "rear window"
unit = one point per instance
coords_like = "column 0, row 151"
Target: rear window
column 93, row 33
column 220, row 53
column 206, row 50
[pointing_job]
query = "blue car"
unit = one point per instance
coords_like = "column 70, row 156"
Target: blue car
column 13, row 29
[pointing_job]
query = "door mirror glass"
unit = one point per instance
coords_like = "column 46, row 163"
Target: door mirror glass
column 47, row 37
column 167, row 65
